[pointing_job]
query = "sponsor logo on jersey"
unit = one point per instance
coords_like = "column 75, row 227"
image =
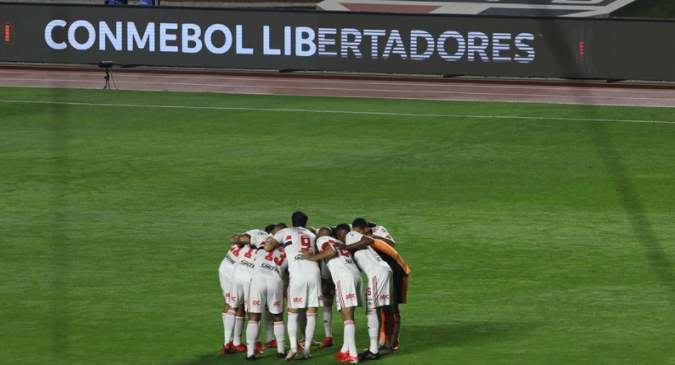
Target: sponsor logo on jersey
column 246, row 263
column 229, row 259
column 256, row 302
column 351, row 296
column 297, row 300
column 384, row 297
column 269, row 267
column 276, row 304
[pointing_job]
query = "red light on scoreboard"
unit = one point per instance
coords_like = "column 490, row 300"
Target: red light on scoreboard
column 7, row 32
column 581, row 49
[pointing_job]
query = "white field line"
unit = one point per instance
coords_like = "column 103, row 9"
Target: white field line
column 233, row 87
column 346, row 112
column 290, row 79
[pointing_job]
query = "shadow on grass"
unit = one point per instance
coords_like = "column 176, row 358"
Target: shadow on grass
column 608, row 152
column 414, row 339
column 634, row 209
column 422, row 338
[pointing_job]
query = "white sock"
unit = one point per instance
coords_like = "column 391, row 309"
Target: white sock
column 302, row 323
column 251, row 337
column 269, row 324
column 309, row 330
column 238, row 329
column 373, row 330
column 350, row 338
column 279, row 334
column 228, row 323
column 224, row 327
column 328, row 317
column 293, row 329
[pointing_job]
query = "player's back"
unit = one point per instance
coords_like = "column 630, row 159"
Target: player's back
column 228, row 263
column 295, row 240
column 271, row 264
column 340, row 265
column 245, row 262
column 382, row 232
column 367, row 259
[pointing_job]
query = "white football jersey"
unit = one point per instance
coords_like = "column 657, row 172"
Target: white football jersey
column 340, row 265
column 245, row 262
column 258, row 237
column 382, row 232
column 271, row 264
column 367, row 259
column 227, row 265
column 295, row 240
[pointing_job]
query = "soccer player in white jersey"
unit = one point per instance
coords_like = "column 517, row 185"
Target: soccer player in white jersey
column 379, row 232
column 384, row 244
column 304, row 288
column 266, row 289
column 348, row 287
column 328, row 290
column 240, row 280
column 225, row 273
column 379, row 290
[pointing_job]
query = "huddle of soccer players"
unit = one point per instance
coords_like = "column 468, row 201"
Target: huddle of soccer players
column 253, row 273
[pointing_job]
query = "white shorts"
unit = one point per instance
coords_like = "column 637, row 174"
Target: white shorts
column 380, row 289
column 225, row 284
column 238, row 291
column 349, row 292
column 265, row 291
column 304, row 292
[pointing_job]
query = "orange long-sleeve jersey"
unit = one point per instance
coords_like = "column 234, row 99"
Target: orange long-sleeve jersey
column 383, row 248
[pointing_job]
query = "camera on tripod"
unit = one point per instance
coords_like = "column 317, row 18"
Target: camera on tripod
column 107, row 65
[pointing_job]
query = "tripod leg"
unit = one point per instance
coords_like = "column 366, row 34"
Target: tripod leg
column 107, row 79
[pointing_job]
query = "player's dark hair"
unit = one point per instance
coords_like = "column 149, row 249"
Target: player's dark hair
column 299, row 219
column 360, row 223
column 372, row 224
column 342, row 227
column 333, row 230
column 269, row 228
column 327, row 231
column 282, row 225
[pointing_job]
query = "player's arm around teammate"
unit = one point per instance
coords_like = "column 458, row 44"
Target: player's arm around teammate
column 391, row 315
column 349, row 289
column 379, row 290
column 304, row 289
column 244, row 265
column 266, row 291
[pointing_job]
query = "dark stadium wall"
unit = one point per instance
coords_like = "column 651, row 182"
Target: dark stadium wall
column 341, row 42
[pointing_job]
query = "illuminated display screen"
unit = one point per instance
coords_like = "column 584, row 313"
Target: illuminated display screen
column 383, row 43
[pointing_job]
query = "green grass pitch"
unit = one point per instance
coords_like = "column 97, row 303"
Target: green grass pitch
column 537, row 234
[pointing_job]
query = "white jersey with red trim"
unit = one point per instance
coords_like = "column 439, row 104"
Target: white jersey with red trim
column 340, row 265
column 382, row 232
column 245, row 262
column 367, row 259
column 271, row 264
column 295, row 240
column 227, row 265
column 258, row 237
